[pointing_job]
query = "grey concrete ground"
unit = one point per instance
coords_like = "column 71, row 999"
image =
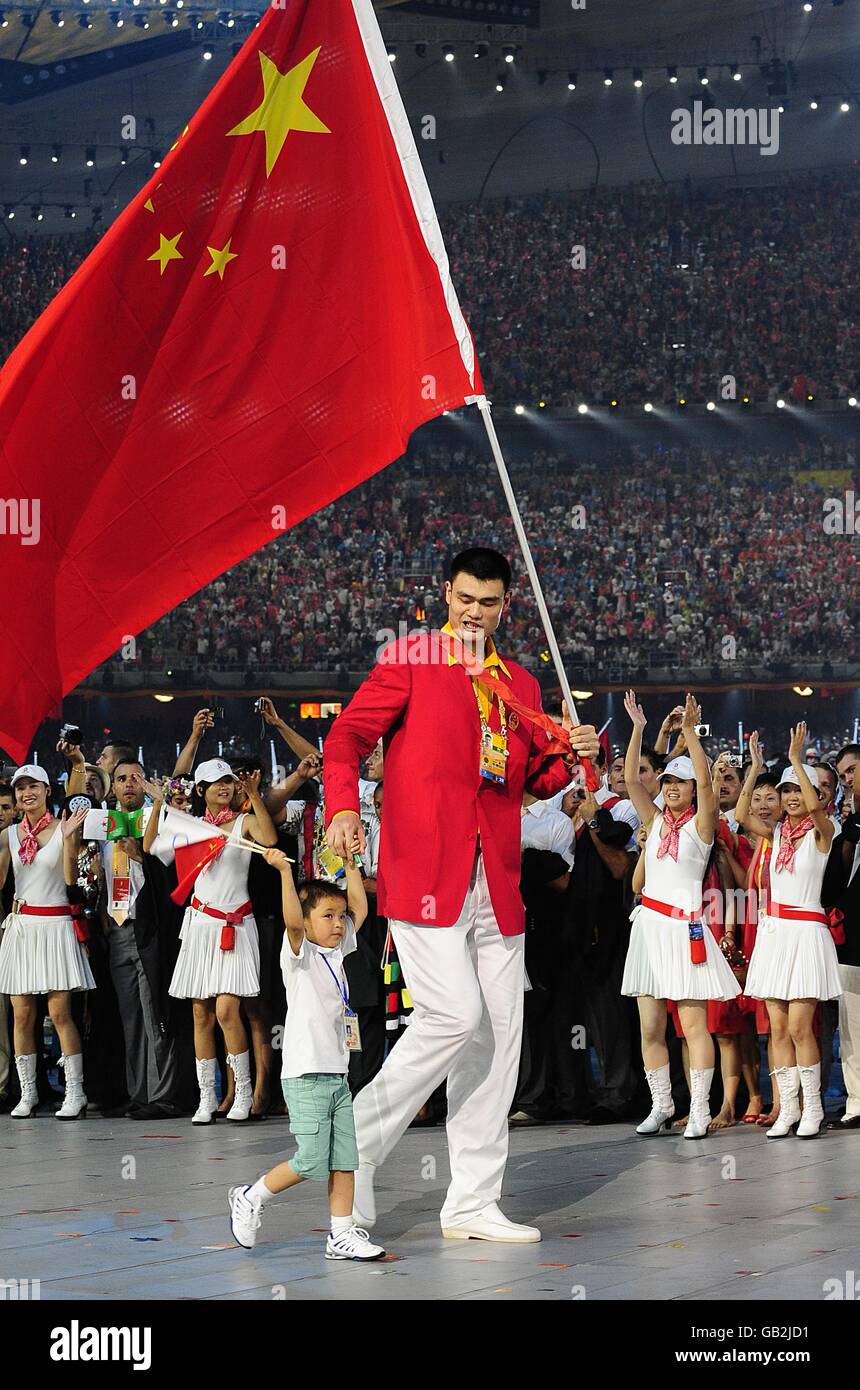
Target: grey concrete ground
column 115, row 1209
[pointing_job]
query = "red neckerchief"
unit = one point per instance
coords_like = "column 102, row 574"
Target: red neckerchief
column 28, row 846
column 787, row 841
column 670, row 840
column 221, row 818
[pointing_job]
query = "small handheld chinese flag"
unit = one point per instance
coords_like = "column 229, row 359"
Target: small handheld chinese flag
column 190, row 860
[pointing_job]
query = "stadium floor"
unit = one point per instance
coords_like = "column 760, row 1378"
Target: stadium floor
column 734, row 1217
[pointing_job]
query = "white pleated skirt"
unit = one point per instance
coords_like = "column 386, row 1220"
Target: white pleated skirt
column 204, row 971
column 793, row 960
column 41, row 954
column 658, row 961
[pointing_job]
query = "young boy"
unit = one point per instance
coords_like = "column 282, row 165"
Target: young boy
column 321, row 1030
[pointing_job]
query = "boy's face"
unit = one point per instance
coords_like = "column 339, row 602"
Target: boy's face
column 7, row 811
column 325, row 924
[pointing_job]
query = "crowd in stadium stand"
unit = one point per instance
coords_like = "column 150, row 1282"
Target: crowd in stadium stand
column 657, row 559
column 681, row 286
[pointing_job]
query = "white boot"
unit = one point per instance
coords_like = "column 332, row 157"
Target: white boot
column 364, row 1201
column 788, row 1081
column 74, row 1107
column 208, row 1107
column 241, row 1064
column 813, row 1110
column 700, row 1103
column 26, row 1107
column 662, row 1105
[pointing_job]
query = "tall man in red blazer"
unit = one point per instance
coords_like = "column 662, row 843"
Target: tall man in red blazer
column 456, row 765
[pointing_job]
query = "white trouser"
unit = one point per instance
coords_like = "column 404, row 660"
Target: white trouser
column 849, row 1035
column 466, row 983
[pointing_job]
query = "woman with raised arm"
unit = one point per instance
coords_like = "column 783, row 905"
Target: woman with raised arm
column 42, row 951
column 671, row 955
column 794, row 963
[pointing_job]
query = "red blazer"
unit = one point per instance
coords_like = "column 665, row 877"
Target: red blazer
column 435, row 799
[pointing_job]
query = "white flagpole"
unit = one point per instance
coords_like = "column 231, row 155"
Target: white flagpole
column 484, row 406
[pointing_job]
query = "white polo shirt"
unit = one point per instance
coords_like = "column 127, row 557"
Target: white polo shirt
column 314, row 1032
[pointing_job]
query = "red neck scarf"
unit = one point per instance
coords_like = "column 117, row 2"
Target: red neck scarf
column 29, row 846
column 671, row 835
column 221, row 818
column 789, row 836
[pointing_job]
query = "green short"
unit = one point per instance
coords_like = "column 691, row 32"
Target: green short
column 320, row 1106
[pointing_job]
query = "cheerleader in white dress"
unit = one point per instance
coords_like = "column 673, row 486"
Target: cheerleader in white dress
column 671, row 955
column 794, row 962
column 219, row 959
column 40, row 951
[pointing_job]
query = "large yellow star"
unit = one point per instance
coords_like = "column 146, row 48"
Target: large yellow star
column 166, row 251
column 283, row 107
column 220, row 259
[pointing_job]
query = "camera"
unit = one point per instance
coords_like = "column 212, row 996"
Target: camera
column 733, row 759
column 70, row 733
column 216, row 711
column 703, row 730
column 258, row 706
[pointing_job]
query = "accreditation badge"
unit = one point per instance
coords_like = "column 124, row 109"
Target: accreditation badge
column 353, row 1032
column 494, row 753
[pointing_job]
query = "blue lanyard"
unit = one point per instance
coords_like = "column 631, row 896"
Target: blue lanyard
column 341, row 986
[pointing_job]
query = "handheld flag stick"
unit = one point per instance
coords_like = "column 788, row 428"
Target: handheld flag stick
column 484, row 406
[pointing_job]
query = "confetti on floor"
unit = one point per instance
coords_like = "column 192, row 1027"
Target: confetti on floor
column 820, row 1208
column 142, row 1238
column 231, row 1246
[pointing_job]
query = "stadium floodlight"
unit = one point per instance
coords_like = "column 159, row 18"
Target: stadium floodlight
column 24, row 154
column 736, row 72
column 607, row 77
column 392, row 53
column 582, row 408
column 780, row 405
column 637, row 77
column 56, row 151
column 672, row 72
column 844, row 106
column 448, row 53
column 509, row 52
column 703, row 76
column 711, row 405
column 57, row 18
column 90, row 156
column 571, row 81
column 501, row 81
column 648, row 407
column 813, row 105
column 207, row 54
column 480, row 50
column 519, row 410
column 852, row 400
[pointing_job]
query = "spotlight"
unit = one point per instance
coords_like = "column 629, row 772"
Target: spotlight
column 392, row 53
column 84, row 21
column 614, row 405
column 519, row 410
column 711, row 405
column 123, row 157
column 141, row 21
column 810, row 398
column 90, row 156
column 703, row 76
column 780, row 405
column 448, row 53
column 807, row 7
column 420, row 50
column 813, row 105
column 4, row 24
column 207, row 54
column 55, row 154
column 736, row 72
column 24, row 156
column 70, row 212
column 673, row 74
column 571, row 81
column 57, row 18
column 637, row 77
column 509, row 52
column 648, row 407
column 156, row 159
column 582, row 408
column 682, row 400
column 501, row 81
column 117, row 20
column 844, row 106
column 9, row 211
column 746, row 400
column 542, row 405
column 480, row 50
column 852, row 400
column 607, row 77
column 36, row 214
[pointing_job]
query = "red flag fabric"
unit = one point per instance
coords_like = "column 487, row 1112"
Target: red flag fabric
column 190, row 860
column 607, row 747
column 259, row 331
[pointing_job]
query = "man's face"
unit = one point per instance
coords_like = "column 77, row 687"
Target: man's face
column 377, row 805
column 730, row 788
column 617, row 785
column 7, row 811
column 374, row 763
column 128, row 786
column 475, row 607
column 845, row 768
column 826, row 785
column 108, row 757
column 649, row 779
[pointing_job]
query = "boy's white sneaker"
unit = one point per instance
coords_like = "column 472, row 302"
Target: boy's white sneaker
column 353, row 1244
column 245, row 1219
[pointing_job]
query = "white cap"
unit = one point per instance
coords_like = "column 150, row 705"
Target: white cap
column 38, row 774
column 680, row 767
column 213, row 771
column 790, row 779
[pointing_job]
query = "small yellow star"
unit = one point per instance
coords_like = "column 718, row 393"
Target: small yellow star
column 283, row 107
column 166, row 251
column 220, row 259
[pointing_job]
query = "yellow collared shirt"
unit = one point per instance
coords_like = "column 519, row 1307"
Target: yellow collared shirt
column 491, row 658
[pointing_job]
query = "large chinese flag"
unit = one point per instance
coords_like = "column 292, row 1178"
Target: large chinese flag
column 259, row 331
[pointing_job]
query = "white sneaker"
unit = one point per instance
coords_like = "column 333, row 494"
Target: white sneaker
column 354, row 1244
column 245, row 1219
column 491, row 1224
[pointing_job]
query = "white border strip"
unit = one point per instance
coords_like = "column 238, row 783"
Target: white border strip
column 413, row 172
